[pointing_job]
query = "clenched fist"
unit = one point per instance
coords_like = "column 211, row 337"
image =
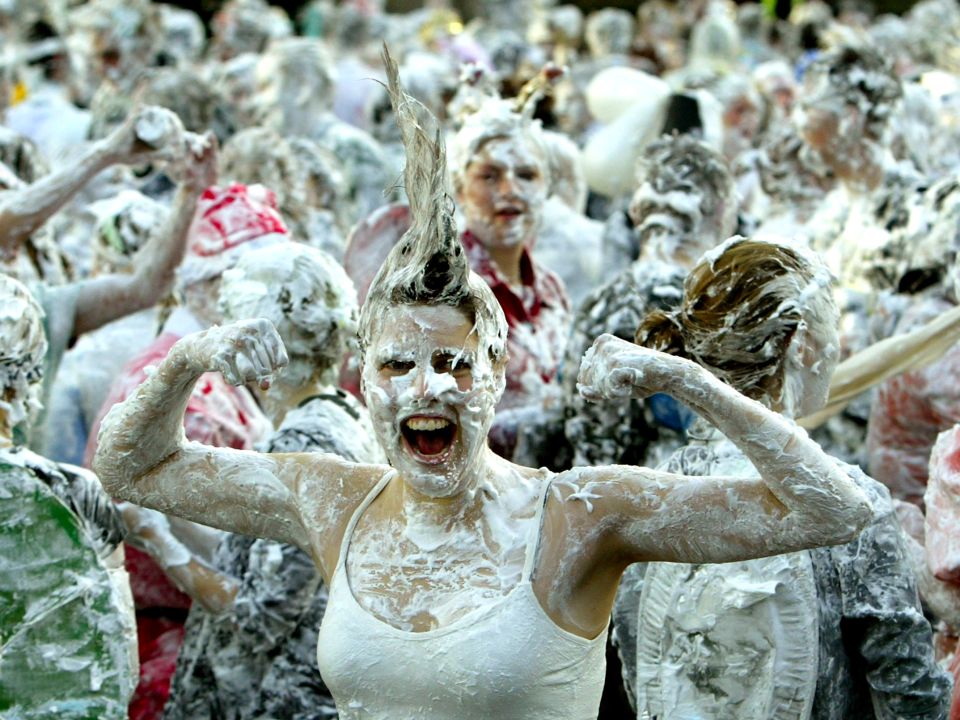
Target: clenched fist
column 243, row 352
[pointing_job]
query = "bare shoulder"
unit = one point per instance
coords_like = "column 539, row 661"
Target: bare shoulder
column 330, row 489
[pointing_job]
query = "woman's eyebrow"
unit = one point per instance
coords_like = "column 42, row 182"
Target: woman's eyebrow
column 394, row 356
column 453, row 351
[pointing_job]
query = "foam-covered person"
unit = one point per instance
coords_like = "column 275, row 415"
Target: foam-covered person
column 911, row 410
column 123, row 225
column 41, row 257
column 455, row 568
column 932, row 541
column 77, row 308
column 608, row 35
column 296, row 84
column 172, row 555
column 794, row 191
column 685, row 204
column 501, row 168
column 933, row 536
column 776, row 82
column 847, row 98
column 113, row 42
column 70, row 644
column 247, row 26
column 184, row 37
column 150, row 134
column 823, row 633
column 309, row 180
column 568, row 242
column 257, row 658
column 45, row 112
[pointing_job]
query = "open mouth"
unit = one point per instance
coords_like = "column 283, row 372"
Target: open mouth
column 429, row 439
column 509, row 213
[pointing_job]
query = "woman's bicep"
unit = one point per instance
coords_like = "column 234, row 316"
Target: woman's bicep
column 234, row 490
column 663, row 517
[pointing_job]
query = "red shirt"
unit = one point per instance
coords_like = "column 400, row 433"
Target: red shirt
column 538, row 316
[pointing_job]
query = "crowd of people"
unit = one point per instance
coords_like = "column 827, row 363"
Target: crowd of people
column 550, row 365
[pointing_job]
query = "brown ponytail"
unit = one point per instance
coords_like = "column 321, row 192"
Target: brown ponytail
column 741, row 307
column 661, row 331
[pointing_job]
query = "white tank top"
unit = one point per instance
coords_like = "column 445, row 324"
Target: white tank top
column 507, row 661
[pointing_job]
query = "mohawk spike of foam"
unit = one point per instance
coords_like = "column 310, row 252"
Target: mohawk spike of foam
column 428, row 265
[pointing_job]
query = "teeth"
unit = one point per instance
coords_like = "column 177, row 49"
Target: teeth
column 421, row 424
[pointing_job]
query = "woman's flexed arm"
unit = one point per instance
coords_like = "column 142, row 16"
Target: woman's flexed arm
column 144, row 457
column 801, row 500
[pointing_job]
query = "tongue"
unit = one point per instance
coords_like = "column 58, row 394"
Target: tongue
column 429, row 442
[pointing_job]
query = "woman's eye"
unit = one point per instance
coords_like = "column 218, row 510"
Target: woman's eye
column 397, row 367
column 447, row 365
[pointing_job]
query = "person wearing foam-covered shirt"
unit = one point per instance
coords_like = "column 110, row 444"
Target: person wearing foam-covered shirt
column 501, row 169
column 167, row 564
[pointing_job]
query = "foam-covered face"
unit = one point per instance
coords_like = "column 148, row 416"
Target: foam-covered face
column 741, row 121
column 825, row 120
column 431, row 396
column 942, row 498
column 670, row 221
column 503, row 192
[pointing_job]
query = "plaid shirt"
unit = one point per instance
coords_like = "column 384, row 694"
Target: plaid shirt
column 538, row 315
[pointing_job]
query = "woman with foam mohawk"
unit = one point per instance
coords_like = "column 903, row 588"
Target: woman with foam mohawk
column 506, row 573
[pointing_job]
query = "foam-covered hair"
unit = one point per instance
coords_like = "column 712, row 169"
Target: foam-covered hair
column 304, row 292
column 863, row 77
column 428, row 266
column 490, row 117
column 24, row 344
column 741, row 306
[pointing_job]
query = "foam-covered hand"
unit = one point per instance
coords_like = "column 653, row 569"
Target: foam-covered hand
column 199, row 168
column 249, row 351
column 614, row 369
column 147, row 135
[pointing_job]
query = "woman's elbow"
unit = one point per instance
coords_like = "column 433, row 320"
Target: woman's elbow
column 848, row 523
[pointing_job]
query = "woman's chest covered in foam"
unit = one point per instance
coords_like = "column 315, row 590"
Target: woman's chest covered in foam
column 417, row 577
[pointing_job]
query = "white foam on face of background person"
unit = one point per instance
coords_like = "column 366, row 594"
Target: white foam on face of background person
column 503, row 192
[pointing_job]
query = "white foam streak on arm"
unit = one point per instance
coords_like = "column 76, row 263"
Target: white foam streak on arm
column 802, row 500
column 143, row 457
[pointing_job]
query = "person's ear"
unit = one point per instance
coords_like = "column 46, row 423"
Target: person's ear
column 796, row 348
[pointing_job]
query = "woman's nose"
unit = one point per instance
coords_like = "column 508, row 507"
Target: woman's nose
column 508, row 185
column 422, row 385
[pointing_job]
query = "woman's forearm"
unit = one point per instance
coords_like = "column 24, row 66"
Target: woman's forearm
column 107, row 298
column 795, row 469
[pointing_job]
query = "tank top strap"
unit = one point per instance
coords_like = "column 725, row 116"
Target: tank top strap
column 533, row 546
column 348, row 534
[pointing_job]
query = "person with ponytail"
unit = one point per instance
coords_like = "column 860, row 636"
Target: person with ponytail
column 822, row 633
column 462, row 585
